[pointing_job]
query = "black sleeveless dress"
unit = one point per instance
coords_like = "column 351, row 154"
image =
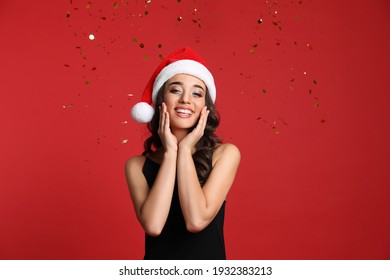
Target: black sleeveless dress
column 175, row 242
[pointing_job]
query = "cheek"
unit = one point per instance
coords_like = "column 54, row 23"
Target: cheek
column 200, row 104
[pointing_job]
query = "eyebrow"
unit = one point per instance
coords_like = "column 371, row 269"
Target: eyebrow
column 180, row 84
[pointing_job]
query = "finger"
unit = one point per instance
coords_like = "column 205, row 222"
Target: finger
column 203, row 118
column 167, row 123
column 166, row 117
column 161, row 123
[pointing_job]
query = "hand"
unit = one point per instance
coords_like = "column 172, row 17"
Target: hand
column 168, row 140
column 196, row 134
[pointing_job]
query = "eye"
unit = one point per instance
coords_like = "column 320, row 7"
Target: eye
column 197, row 94
column 175, row 90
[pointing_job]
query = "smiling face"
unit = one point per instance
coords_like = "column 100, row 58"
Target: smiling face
column 185, row 97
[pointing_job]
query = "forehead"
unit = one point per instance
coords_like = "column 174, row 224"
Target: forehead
column 186, row 79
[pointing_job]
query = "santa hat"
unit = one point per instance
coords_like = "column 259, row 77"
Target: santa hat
column 182, row 61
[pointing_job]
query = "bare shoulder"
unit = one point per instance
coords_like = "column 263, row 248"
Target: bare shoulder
column 134, row 163
column 227, row 151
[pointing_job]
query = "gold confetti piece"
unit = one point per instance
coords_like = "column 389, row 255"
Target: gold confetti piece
column 179, row 19
column 146, row 57
column 124, row 122
column 116, row 5
column 87, row 83
column 130, row 95
column 124, row 141
column 67, row 106
column 91, row 37
column 148, row 1
column 274, row 128
column 160, row 56
column 316, row 105
column 134, row 40
column 260, row 21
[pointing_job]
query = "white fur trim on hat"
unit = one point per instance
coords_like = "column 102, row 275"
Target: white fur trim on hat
column 142, row 112
column 185, row 66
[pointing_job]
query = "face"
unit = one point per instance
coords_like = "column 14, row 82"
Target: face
column 185, row 97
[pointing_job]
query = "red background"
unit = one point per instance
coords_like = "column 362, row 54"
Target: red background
column 303, row 94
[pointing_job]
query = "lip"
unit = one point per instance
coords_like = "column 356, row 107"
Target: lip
column 183, row 115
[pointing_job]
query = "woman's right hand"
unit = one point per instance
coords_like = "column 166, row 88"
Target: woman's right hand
column 168, row 140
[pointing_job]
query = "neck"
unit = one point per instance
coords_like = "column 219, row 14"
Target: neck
column 180, row 133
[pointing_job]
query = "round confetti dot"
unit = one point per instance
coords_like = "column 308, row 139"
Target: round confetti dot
column 260, row 21
column 179, row 19
column 91, row 37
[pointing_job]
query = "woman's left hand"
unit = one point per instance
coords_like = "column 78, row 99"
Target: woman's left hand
column 194, row 136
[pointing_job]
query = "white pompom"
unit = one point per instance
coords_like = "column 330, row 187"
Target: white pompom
column 142, row 112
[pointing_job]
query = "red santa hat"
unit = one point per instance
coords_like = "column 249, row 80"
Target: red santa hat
column 181, row 61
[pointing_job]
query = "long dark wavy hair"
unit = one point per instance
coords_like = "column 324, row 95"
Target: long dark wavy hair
column 205, row 146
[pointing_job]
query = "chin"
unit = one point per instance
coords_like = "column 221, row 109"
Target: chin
column 181, row 123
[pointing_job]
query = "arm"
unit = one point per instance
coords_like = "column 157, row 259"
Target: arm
column 152, row 205
column 200, row 205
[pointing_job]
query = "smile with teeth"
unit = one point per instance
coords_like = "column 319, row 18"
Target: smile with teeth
column 184, row 113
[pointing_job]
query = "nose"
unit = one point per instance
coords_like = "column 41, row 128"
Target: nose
column 185, row 98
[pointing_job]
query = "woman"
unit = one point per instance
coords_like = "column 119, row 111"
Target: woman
column 180, row 183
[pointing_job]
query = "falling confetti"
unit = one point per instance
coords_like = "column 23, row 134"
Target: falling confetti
column 67, row 14
column 87, row 83
column 141, row 45
column 260, row 21
column 252, row 50
column 91, row 37
column 134, row 40
column 116, row 5
column 274, row 128
column 67, row 106
column 124, row 141
column 315, row 82
column 179, row 19
column 264, row 90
